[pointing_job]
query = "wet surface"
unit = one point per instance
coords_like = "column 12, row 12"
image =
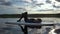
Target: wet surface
column 15, row 29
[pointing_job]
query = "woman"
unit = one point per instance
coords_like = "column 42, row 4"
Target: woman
column 25, row 16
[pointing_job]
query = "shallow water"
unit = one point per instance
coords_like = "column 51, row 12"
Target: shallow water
column 15, row 29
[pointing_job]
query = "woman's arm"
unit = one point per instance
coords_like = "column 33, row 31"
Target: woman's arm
column 20, row 18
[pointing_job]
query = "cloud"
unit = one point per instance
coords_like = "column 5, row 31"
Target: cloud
column 1, row 0
column 48, row 1
column 56, row 6
column 58, row 0
column 27, row 1
column 28, row 5
column 39, row 4
column 5, row 2
column 35, row 4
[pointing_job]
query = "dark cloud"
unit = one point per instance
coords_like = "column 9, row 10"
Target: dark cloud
column 6, row 3
column 20, row 1
column 45, row 10
column 1, row 0
column 34, row 3
column 56, row 6
column 40, row 4
column 57, row 0
column 48, row 1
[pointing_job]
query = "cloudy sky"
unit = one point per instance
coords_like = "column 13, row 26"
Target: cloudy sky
column 31, row 6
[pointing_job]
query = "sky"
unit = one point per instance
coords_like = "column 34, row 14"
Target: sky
column 31, row 6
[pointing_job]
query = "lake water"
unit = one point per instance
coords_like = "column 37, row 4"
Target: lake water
column 15, row 29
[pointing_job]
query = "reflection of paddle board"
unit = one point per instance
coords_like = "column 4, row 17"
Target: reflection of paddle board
column 30, row 25
column 36, row 24
column 55, row 31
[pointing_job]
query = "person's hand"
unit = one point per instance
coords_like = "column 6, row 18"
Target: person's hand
column 18, row 20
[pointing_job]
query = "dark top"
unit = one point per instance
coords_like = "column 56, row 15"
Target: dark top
column 25, row 16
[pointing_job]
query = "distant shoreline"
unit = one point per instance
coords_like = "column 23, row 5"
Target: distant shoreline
column 29, row 15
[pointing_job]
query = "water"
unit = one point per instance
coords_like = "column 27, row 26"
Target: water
column 15, row 29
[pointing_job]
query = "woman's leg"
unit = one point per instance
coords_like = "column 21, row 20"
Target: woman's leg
column 25, row 30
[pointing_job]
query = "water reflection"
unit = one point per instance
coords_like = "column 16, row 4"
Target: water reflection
column 15, row 29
